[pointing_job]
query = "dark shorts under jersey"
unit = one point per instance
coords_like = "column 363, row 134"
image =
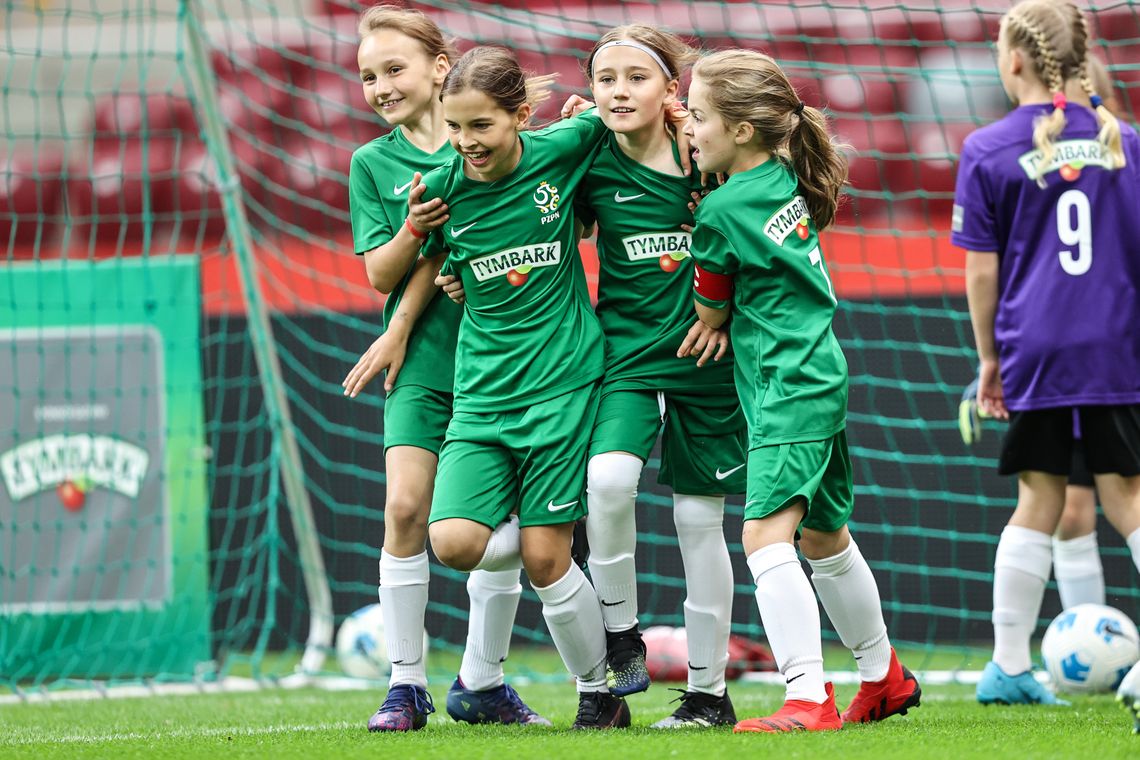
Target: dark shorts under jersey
column 416, row 416
column 819, row 472
column 703, row 436
column 1043, row 440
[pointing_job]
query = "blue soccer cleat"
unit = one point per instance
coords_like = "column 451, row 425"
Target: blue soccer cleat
column 627, row 672
column 499, row 705
column 1128, row 695
column 405, row 709
column 998, row 688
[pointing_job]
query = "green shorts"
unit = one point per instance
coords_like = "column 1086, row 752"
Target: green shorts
column 702, row 445
column 819, row 472
column 416, row 416
column 530, row 460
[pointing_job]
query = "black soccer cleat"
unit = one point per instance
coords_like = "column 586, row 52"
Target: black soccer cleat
column 599, row 709
column 699, row 710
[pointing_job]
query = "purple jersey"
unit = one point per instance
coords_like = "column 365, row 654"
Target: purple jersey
column 1068, row 318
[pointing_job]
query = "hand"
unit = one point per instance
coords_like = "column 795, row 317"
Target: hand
column 704, row 342
column 969, row 418
column 574, row 105
column 425, row 217
column 386, row 353
column 696, row 201
column 452, row 286
column 991, row 399
column 677, row 115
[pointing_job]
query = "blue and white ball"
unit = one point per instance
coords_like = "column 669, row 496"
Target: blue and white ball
column 361, row 648
column 1089, row 648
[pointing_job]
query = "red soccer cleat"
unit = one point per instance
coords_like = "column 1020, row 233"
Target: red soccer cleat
column 894, row 695
column 797, row 715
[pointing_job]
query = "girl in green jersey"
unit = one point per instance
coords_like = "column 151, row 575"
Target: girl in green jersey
column 403, row 59
column 759, row 260
column 529, row 355
column 638, row 193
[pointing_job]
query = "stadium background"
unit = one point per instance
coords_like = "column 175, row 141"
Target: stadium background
column 104, row 152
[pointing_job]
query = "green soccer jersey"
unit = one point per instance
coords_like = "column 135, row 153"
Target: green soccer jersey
column 528, row 333
column 378, row 183
column 791, row 374
column 645, row 279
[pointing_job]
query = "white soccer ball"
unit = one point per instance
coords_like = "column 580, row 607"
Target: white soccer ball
column 360, row 645
column 1089, row 648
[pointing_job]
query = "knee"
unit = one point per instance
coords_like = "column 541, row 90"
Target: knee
column 1075, row 522
column 698, row 514
column 545, row 568
column 456, row 547
column 817, row 544
column 613, row 474
column 405, row 516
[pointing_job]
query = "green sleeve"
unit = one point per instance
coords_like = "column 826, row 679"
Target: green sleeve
column 713, row 252
column 371, row 226
column 577, row 137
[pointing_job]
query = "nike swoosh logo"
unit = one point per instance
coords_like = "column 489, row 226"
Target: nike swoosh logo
column 801, row 675
column 612, row 604
column 694, row 667
column 457, row 232
column 559, row 507
column 722, row 475
column 399, row 189
column 624, row 198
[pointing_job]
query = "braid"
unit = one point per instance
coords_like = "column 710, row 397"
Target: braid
column 1048, row 128
column 1109, row 135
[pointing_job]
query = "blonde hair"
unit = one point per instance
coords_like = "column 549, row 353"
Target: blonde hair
column 1055, row 37
column 670, row 48
column 495, row 72
column 746, row 86
column 411, row 23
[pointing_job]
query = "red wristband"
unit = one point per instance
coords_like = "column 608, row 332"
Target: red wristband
column 713, row 286
column 415, row 233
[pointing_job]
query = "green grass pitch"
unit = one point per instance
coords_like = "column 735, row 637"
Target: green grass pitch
column 314, row 724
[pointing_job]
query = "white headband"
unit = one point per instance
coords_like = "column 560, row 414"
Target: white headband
column 637, row 46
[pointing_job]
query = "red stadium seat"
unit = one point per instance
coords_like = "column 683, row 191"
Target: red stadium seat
column 30, row 192
column 193, row 206
column 878, row 147
column 313, row 195
column 124, row 114
column 106, row 196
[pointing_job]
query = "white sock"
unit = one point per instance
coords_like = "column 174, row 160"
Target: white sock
column 1133, row 542
column 494, row 602
column 851, row 600
column 790, row 616
column 1021, row 568
column 403, row 600
column 1076, row 565
column 503, row 548
column 611, row 489
column 708, row 588
column 574, row 618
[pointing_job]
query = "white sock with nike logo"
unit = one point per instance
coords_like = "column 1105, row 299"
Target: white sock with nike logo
column 708, row 588
column 790, row 616
column 403, row 600
column 574, row 618
column 494, row 602
column 850, row 598
column 611, row 486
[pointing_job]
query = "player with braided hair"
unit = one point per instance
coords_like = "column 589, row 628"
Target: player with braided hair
column 1047, row 206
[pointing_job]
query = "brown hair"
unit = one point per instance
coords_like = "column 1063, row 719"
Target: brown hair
column 676, row 54
column 495, row 72
column 746, row 86
column 411, row 23
column 1054, row 36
